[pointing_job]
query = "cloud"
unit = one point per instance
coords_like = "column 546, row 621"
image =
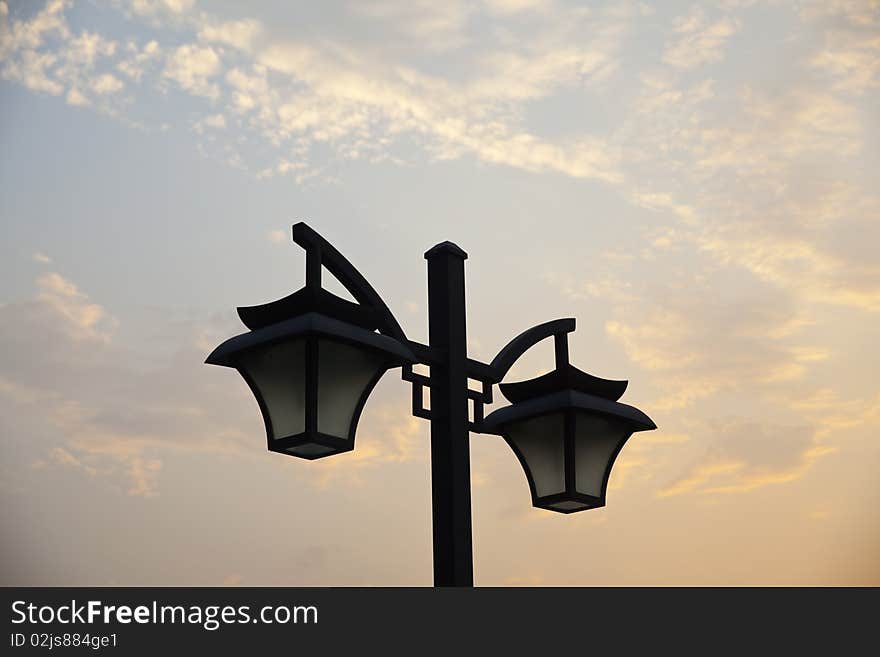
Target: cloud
column 856, row 13
column 212, row 121
column 539, row 72
column 42, row 258
column 362, row 99
column 727, row 171
column 249, row 90
column 722, row 334
column 137, row 59
column 30, row 69
column 850, row 53
column 832, row 414
column 82, row 318
column 24, row 36
column 61, row 456
column 855, row 67
column 87, row 48
column 192, row 67
column 161, row 7
column 744, row 455
column 783, row 129
column 700, row 40
column 507, row 7
column 76, row 98
column 106, row 84
column 238, row 34
column 64, row 380
column 144, row 474
column 44, row 54
column 344, row 103
column 798, row 265
column 760, row 181
column 350, row 96
column 436, row 26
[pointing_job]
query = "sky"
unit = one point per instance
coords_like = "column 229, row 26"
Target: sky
column 695, row 183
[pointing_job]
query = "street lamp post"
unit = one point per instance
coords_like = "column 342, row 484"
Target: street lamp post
column 312, row 358
column 450, row 438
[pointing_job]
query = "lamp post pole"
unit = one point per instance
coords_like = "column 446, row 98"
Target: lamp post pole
column 450, row 440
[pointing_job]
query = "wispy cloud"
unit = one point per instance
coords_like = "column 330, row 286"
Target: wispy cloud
column 83, row 318
column 698, row 39
column 745, row 456
column 327, row 92
column 106, row 416
column 720, row 335
column 210, row 122
column 240, row 34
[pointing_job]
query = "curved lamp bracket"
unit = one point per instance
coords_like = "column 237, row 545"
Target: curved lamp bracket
column 559, row 328
column 564, row 376
column 370, row 311
column 319, row 252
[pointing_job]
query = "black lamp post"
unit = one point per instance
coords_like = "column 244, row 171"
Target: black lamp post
column 311, row 359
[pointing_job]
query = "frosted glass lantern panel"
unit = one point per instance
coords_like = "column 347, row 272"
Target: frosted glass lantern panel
column 540, row 441
column 278, row 372
column 597, row 438
column 344, row 373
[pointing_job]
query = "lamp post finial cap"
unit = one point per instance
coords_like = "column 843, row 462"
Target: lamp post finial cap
column 446, row 248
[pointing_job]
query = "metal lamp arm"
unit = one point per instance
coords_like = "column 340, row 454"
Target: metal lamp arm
column 319, row 252
column 491, row 373
column 559, row 328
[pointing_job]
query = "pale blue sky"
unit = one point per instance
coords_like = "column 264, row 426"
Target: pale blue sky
column 694, row 182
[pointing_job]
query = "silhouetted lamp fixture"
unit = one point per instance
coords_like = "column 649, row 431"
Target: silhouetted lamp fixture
column 566, row 428
column 312, row 358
